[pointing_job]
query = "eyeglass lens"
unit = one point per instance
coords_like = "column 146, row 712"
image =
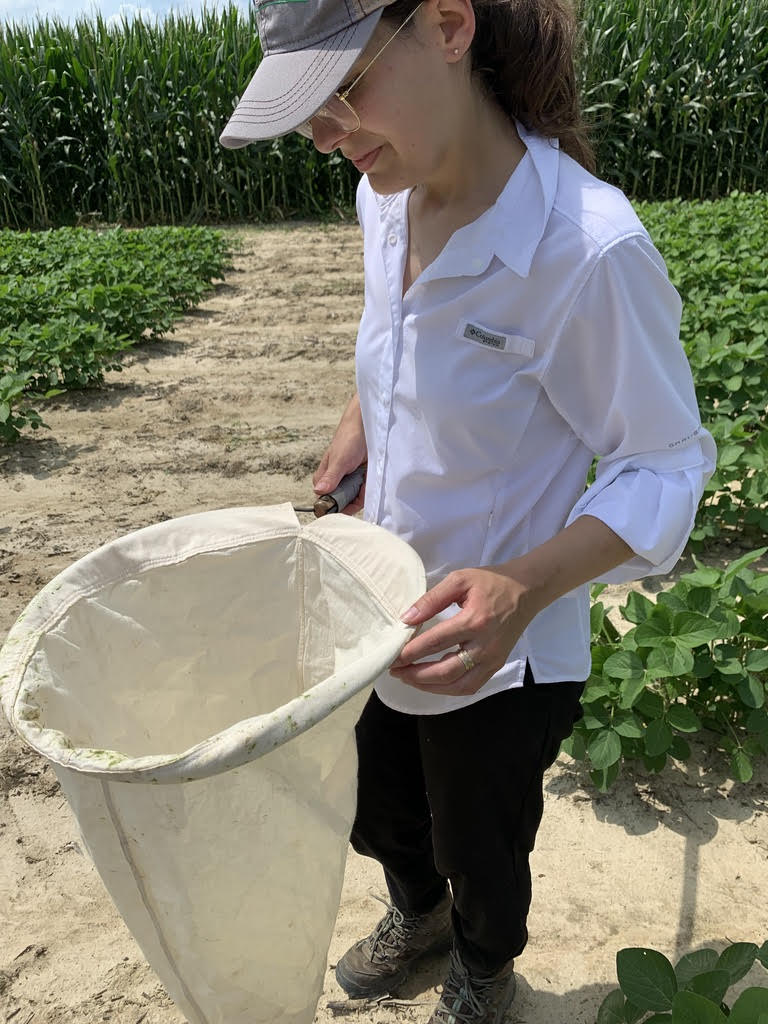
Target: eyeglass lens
column 336, row 111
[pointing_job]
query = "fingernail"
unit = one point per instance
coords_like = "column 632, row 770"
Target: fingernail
column 410, row 616
column 321, row 487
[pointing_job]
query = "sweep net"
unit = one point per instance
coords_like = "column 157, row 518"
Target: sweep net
column 219, row 663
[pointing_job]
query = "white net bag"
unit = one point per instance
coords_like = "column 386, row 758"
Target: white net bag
column 217, row 662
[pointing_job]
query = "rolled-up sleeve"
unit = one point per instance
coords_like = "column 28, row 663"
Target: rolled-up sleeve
column 620, row 378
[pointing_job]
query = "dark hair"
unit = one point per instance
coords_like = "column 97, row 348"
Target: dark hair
column 523, row 54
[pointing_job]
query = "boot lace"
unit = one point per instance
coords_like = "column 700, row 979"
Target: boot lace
column 393, row 933
column 465, row 999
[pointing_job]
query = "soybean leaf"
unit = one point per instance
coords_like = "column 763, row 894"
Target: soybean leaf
column 693, row 629
column 612, row 1009
column 658, row 738
column 758, row 722
column 630, row 691
column 757, row 661
column 741, row 563
column 638, row 608
column 596, row 618
column 628, row 725
column 624, row 665
column 711, row 984
column 692, row 964
column 730, row 667
column 682, row 718
column 704, row 576
column 680, row 749
column 730, row 624
column 670, row 658
column 605, row 778
column 647, row 978
column 596, row 690
column 632, row 1013
column 701, row 599
column 751, row 1003
column 762, row 954
column 655, row 764
column 671, row 600
column 741, row 765
column 653, row 631
column 689, row 1008
column 574, row 746
column 737, row 959
column 751, row 691
column 595, row 717
column 703, row 665
column 605, row 749
column 649, row 704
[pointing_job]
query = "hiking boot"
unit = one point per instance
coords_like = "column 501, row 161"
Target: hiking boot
column 379, row 963
column 474, row 999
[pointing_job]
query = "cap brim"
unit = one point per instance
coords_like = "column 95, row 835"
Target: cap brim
column 288, row 88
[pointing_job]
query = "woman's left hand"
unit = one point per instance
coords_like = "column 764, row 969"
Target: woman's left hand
column 495, row 609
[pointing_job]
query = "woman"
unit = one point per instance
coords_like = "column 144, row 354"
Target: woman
column 518, row 322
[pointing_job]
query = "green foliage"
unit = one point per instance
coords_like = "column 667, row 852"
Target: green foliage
column 121, row 122
column 677, row 90
column 695, row 663
column 71, row 300
column 692, row 664
column 718, row 260
column 693, row 992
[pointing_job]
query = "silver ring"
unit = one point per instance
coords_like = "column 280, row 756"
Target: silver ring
column 466, row 659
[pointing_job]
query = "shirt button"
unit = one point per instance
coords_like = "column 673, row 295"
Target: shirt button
column 392, row 239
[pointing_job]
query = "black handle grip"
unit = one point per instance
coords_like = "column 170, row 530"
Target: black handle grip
column 338, row 499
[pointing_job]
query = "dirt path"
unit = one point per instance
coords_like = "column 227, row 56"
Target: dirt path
column 235, row 409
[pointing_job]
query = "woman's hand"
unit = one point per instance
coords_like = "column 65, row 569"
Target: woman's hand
column 495, row 609
column 497, row 603
column 346, row 452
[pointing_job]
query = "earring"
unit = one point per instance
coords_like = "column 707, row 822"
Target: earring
column 456, row 52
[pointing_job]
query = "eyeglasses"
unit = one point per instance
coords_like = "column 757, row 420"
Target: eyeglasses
column 338, row 110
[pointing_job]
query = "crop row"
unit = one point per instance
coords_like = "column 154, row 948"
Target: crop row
column 694, row 664
column 122, row 123
column 72, row 300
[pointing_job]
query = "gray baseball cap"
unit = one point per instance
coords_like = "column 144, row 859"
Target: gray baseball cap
column 308, row 48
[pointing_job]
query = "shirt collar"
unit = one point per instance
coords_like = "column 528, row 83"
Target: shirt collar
column 512, row 228
column 522, row 210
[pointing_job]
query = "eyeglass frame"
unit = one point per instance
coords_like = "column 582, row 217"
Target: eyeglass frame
column 305, row 128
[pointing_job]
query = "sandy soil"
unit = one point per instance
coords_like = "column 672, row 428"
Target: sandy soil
column 235, row 409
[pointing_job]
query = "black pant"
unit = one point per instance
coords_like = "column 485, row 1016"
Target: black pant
column 459, row 796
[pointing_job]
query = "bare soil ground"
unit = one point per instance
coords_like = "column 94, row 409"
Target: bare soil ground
column 235, row 408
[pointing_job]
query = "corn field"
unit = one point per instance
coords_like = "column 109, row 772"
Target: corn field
column 121, row 123
column 677, row 92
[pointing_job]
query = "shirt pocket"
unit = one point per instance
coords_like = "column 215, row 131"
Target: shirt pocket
column 486, row 337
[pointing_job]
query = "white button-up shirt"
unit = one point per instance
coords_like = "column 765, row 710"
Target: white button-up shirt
column 545, row 333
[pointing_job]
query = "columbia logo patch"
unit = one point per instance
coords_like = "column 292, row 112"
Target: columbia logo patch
column 475, row 333
column 513, row 343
